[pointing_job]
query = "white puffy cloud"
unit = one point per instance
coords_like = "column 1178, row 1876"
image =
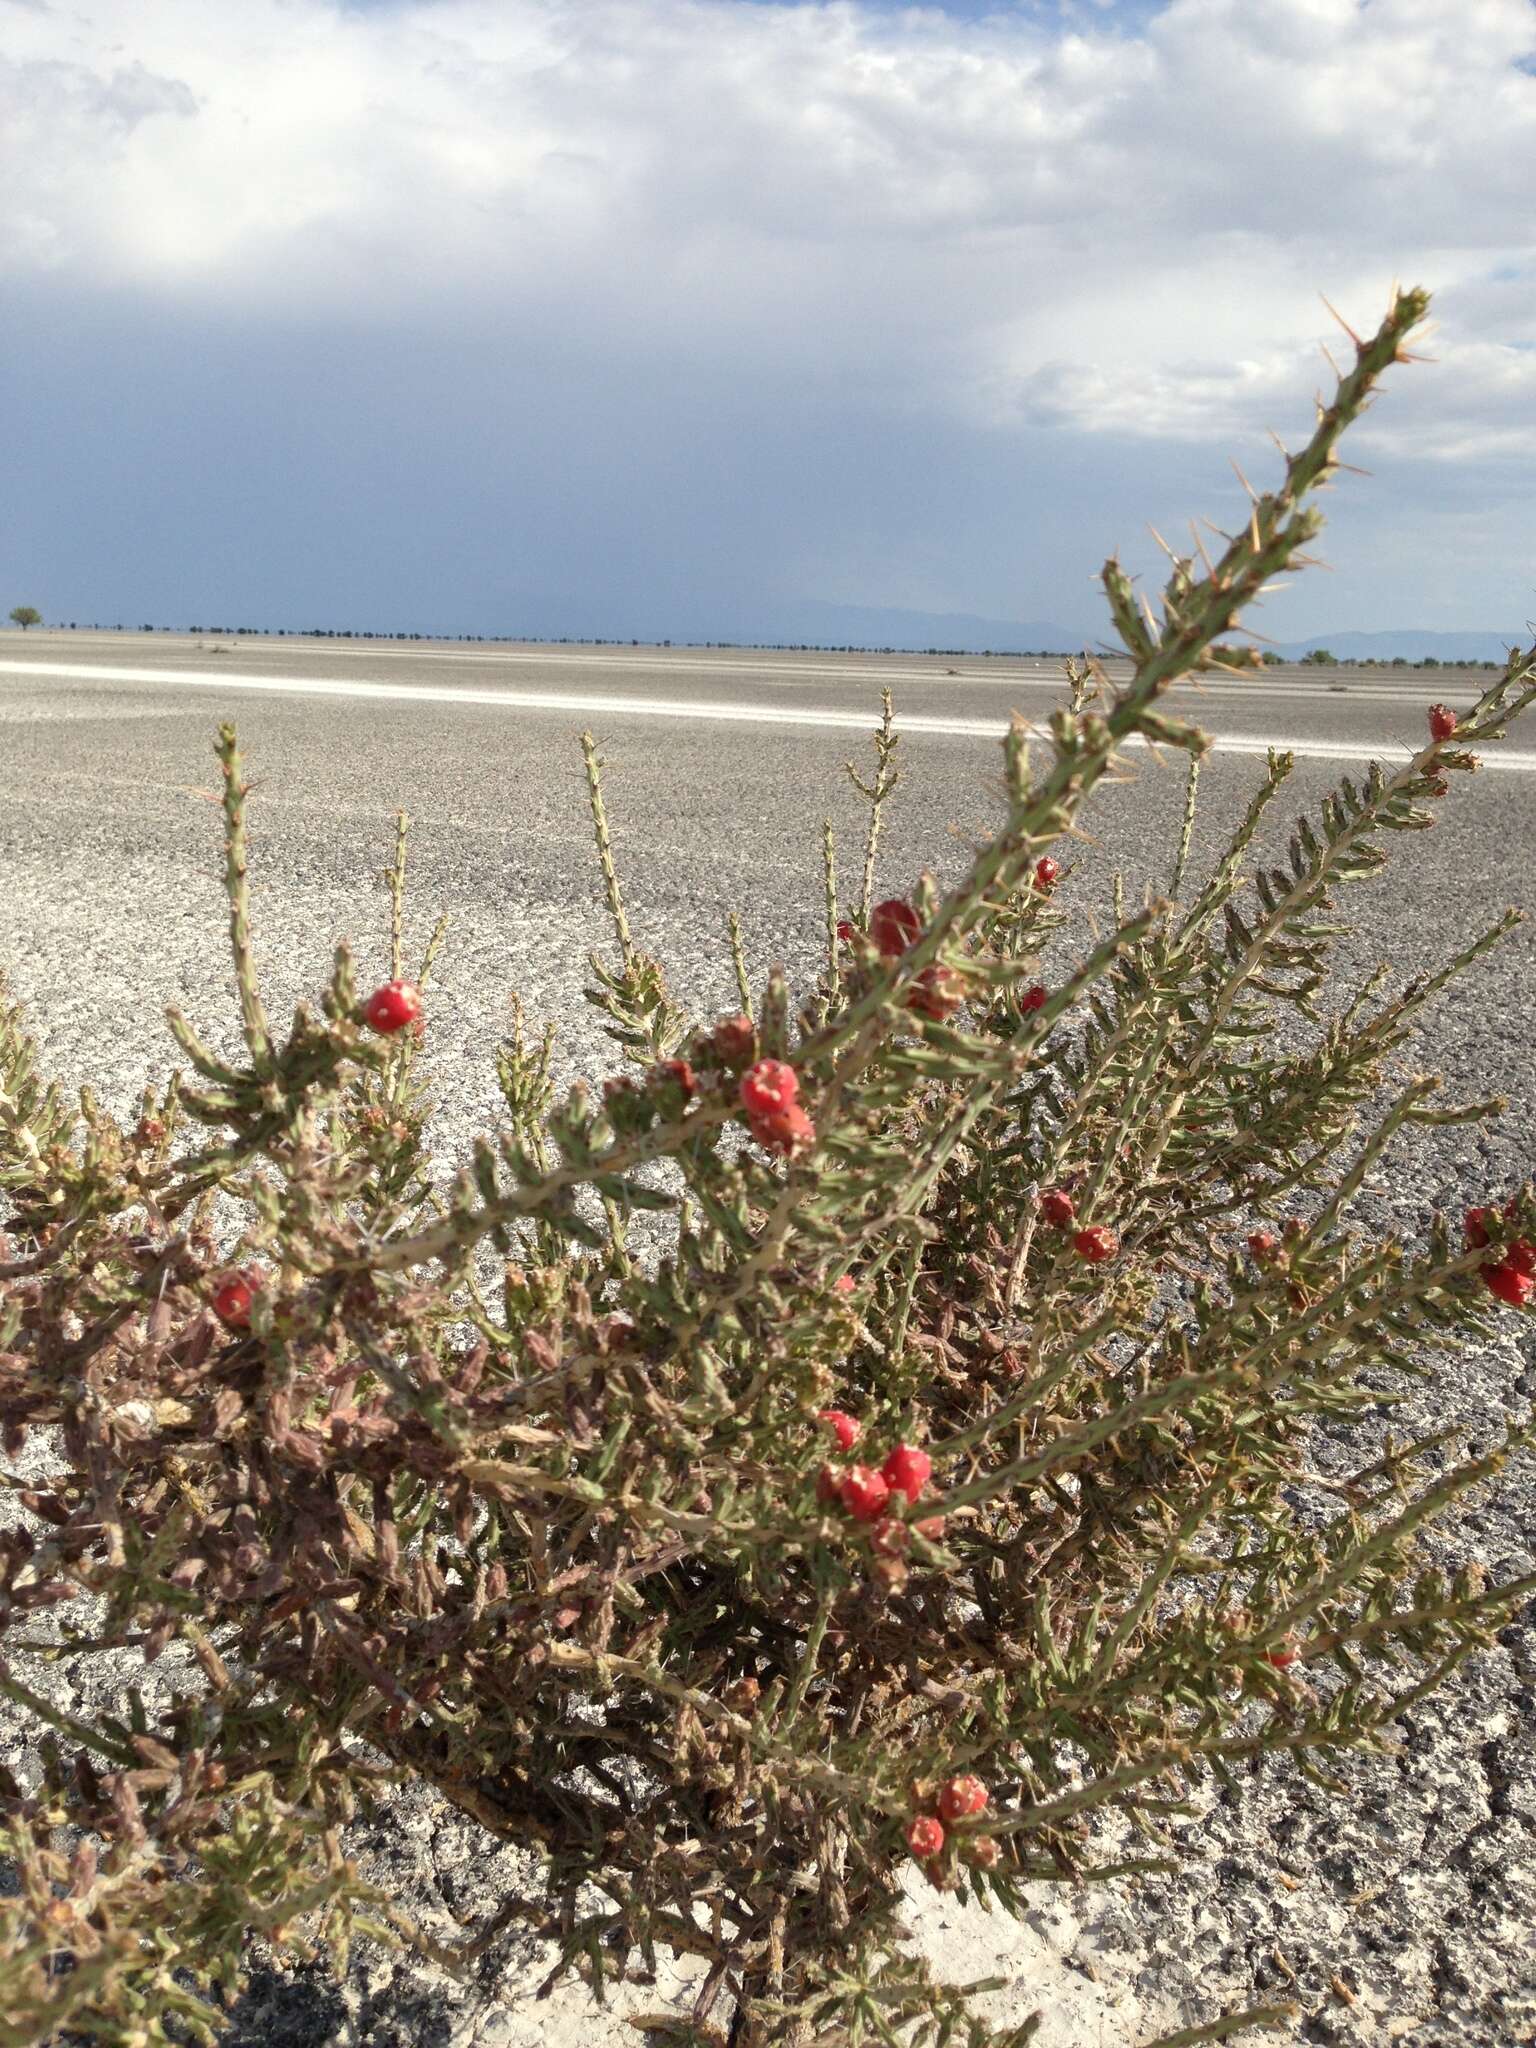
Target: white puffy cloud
column 879, row 303
column 1008, row 220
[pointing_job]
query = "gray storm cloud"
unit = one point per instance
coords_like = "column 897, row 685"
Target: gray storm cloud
column 1008, row 232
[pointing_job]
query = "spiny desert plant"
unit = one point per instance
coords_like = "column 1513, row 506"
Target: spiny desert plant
column 868, row 1434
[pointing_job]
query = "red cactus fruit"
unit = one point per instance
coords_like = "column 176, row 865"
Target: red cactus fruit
column 677, row 1073
column 864, row 1493
column 788, row 1132
column 961, row 1798
column 925, row 1837
column 393, row 1006
column 1262, row 1245
column 937, row 992
column 769, row 1088
column 1509, row 1284
column 733, row 1041
column 843, row 1427
column 233, row 1296
column 1096, row 1244
column 1047, row 872
column 1033, row 999
column 894, row 925
column 907, row 1470
column 1058, row 1208
column 1443, row 721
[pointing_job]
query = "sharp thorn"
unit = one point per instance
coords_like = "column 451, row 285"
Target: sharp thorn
column 1343, row 323
column 1168, row 551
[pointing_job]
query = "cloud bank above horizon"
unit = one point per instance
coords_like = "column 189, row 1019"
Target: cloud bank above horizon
column 436, row 311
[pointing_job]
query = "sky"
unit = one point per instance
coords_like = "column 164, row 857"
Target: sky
column 667, row 317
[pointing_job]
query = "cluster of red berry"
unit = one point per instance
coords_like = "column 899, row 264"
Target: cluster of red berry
column 938, row 991
column 770, row 1093
column 1442, row 721
column 1094, row 1242
column 867, row 1494
column 959, row 1799
column 895, row 927
column 1512, row 1275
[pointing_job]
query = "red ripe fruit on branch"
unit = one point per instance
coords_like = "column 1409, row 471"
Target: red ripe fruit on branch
column 925, row 1837
column 907, row 1470
column 842, row 1426
column 1521, row 1255
column 843, row 1284
column 1262, row 1245
column 233, row 1296
column 679, row 1074
column 1058, row 1208
column 393, row 1006
column 1283, row 1656
column 864, row 1493
column 1047, row 872
column 1032, row 999
column 788, row 1132
column 1442, row 721
column 894, row 925
column 937, row 993
column 733, row 1041
column 1509, row 1284
column 1475, row 1226
column 961, row 1798
column 769, row 1088
column 845, row 932
column 1095, row 1244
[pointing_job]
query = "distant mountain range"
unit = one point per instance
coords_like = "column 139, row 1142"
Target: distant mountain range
column 1410, row 644
column 811, row 622
column 857, row 625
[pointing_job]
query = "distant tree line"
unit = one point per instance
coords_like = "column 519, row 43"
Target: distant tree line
column 25, row 615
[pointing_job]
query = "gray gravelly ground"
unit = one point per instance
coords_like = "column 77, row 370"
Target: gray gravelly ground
column 1403, row 1910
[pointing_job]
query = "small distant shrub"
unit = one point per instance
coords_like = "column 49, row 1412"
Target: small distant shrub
column 865, row 1436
